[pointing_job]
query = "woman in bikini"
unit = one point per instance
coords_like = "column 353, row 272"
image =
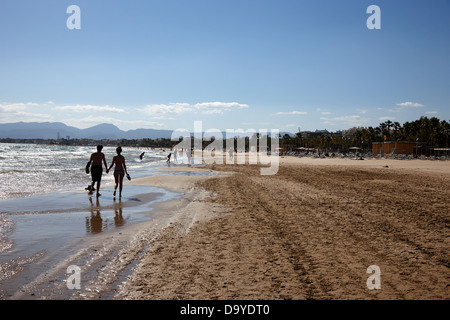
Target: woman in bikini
column 120, row 170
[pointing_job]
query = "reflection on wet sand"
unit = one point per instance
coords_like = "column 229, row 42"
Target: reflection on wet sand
column 118, row 218
column 95, row 223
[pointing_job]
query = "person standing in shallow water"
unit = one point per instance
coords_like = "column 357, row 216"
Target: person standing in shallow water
column 95, row 162
column 120, row 170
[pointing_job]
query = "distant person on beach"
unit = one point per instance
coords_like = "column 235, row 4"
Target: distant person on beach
column 120, row 170
column 175, row 154
column 95, row 162
column 168, row 158
column 142, row 155
column 188, row 153
column 230, row 153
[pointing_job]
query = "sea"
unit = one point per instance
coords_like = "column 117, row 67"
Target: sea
column 46, row 214
column 30, row 169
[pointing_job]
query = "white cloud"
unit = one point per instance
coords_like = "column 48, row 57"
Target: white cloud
column 362, row 111
column 181, row 108
column 14, row 107
column 213, row 111
column 89, row 108
column 219, row 106
column 33, row 115
column 349, row 118
column 15, row 112
column 386, row 118
column 159, row 110
column 431, row 112
column 410, row 104
column 255, row 123
column 402, row 106
column 352, row 120
column 291, row 113
column 162, row 117
column 323, row 112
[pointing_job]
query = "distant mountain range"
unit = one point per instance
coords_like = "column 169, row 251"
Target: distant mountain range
column 51, row 130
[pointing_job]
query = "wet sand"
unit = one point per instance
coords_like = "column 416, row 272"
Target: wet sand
column 47, row 233
column 105, row 237
column 308, row 232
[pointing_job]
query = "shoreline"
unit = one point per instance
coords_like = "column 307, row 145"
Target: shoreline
column 110, row 247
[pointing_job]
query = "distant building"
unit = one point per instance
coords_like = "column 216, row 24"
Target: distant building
column 397, row 147
column 317, row 133
column 321, row 132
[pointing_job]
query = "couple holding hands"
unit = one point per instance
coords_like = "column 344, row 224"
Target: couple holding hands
column 96, row 169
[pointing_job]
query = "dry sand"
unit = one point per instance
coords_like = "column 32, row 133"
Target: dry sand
column 308, row 232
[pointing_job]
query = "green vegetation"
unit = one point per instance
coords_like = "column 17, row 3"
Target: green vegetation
column 427, row 131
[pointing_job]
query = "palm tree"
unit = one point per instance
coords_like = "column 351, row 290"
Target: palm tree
column 388, row 128
column 445, row 133
column 286, row 140
column 383, row 129
column 396, row 127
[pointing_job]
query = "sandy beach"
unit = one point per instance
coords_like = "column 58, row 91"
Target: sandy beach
column 227, row 232
column 308, row 232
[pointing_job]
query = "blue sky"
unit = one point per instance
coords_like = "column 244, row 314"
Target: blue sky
column 258, row 64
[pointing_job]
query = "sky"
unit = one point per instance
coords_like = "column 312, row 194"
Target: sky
column 259, row 64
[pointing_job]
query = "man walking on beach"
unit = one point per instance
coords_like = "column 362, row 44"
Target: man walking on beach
column 189, row 154
column 96, row 161
column 230, row 153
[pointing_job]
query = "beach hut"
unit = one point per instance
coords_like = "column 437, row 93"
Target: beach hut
column 396, row 147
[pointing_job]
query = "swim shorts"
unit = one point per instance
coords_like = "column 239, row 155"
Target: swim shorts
column 96, row 172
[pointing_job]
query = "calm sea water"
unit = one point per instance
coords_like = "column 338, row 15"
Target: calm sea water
column 30, row 169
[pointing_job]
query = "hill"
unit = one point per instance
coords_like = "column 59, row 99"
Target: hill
column 51, row 130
